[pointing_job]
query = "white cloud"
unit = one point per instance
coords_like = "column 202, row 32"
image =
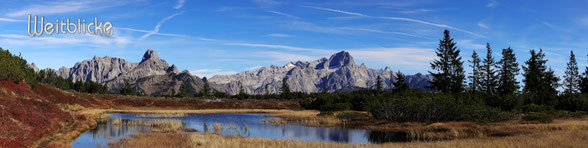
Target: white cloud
column 335, row 10
column 415, row 11
column 284, row 57
column 278, row 35
column 11, row 20
column 86, row 39
column 281, row 13
column 208, row 73
column 180, row 4
column 278, row 47
column 306, row 26
column 385, row 32
column 253, row 68
column 469, row 44
column 481, row 24
column 408, row 58
column 59, row 7
column 156, row 29
column 399, row 19
column 52, row 8
column 147, row 31
column 493, row 3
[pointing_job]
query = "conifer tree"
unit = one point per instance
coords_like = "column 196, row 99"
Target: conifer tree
column 285, row 88
column 572, row 76
column 509, row 69
column 400, row 83
column 449, row 76
column 475, row 75
column 489, row 77
column 206, row 88
column 379, row 83
column 540, row 83
column 584, row 83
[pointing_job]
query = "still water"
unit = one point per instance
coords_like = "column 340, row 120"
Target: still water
column 249, row 125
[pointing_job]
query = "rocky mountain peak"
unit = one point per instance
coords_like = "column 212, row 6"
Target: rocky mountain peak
column 173, row 69
column 149, row 54
column 340, row 59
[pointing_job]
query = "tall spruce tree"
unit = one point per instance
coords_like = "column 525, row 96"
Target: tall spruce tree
column 379, row 83
column 509, row 69
column 285, row 88
column 449, row 76
column 475, row 75
column 400, row 83
column 572, row 77
column 206, row 88
column 541, row 84
column 584, row 84
column 489, row 77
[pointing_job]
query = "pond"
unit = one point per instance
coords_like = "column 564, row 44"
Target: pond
column 244, row 124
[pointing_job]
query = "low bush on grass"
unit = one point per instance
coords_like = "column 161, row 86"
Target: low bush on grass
column 350, row 115
column 538, row 116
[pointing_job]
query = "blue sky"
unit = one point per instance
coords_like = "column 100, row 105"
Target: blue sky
column 225, row 37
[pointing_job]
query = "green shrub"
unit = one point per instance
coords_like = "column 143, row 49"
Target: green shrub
column 351, row 115
column 538, row 116
column 536, row 108
column 324, row 113
column 485, row 114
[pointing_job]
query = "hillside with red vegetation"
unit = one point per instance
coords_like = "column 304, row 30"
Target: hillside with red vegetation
column 28, row 114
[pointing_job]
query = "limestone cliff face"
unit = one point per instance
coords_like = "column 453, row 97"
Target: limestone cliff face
column 338, row 73
column 151, row 76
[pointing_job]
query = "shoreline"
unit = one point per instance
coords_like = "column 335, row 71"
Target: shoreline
column 455, row 131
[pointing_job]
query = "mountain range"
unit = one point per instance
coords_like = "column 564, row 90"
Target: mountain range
column 153, row 76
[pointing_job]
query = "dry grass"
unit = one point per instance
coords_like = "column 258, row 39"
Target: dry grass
column 560, row 138
column 64, row 136
column 162, row 115
column 154, row 125
column 155, row 140
column 198, row 111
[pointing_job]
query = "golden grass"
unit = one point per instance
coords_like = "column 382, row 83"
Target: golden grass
column 198, row 111
column 559, row 138
column 162, row 115
column 154, row 125
column 64, row 136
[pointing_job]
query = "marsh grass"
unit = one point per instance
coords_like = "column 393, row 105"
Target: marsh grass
column 162, row 115
column 219, row 128
column 152, row 125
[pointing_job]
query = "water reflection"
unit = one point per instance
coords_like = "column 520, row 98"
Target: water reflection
column 244, row 124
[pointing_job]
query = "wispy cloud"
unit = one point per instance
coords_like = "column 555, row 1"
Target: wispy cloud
column 278, row 47
column 415, row 11
column 407, row 58
column 10, row 20
column 398, row 19
column 306, row 26
column 385, row 32
column 211, row 72
column 481, row 24
column 469, row 44
column 156, row 29
column 278, row 35
column 148, row 31
column 281, row 13
column 492, row 3
column 74, row 39
column 253, row 68
column 59, row 7
column 335, row 10
column 52, row 8
column 180, row 4
column 284, row 57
